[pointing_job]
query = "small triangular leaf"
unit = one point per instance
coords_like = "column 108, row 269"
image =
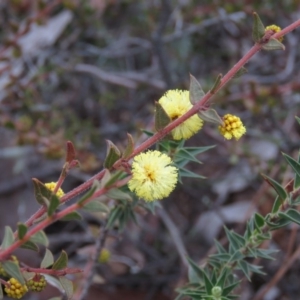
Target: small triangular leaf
column 72, row 216
column 240, row 72
column 8, row 238
column 273, row 44
column 30, row 246
column 13, row 270
column 196, row 91
column 216, row 85
column 96, row 206
column 89, row 193
column 129, row 147
column 186, row 173
column 211, row 116
column 291, row 215
column 67, row 286
column 278, row 188
column 48, row 259
column 162, row 119
column 22, row 230
column 113, row 154
column 61, row 262
column 258, row 30
column 41, row 192
column 53, row 205
column 40, row 238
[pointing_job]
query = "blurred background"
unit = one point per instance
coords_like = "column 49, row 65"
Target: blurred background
column 90, row 70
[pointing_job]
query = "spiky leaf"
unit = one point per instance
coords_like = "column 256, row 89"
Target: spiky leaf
column 278, row 188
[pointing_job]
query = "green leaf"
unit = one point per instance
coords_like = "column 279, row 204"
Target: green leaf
column 240, row 72
column 197, row 150
column 162, row 119
column 233, row 242
column 276, row 205
column 266, row 253
column 67, row 286
column 41, row 192
column 273, row 44
column 222, row 278
column 53, row 205
column 183, row 154
column 255, row 269
column 22, row 230
column 1, row 292
column 258, row 30
column 129, row 147
column 13, row 270
column 216, row 85
column 113, row 154
column 96, row 206
column 225, row 257
column 196, row 91
column 219, row 247
column 227, row 290
column 114, row 177
column 280, row 223
column 113, row 216
column 61, row 262
column 72, row 216
column 48, row 259
column 293, row 163
column 244, row 267
column 278, row 188
column 30, row 246
column 89, row 193
column 297, row 178
column 291, row 215
column 259, row 220
column 40, row 238
column 297, row 119
column 236, row 256
column 8, row 238
column 195, row 267
column 211, row 116
column 117, row 194
column 186, row 173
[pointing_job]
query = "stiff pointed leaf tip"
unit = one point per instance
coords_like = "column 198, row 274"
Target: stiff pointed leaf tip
column 130, row 146
column 196, row 92
column 113, row 154
column 258, row 30
column 71, row 154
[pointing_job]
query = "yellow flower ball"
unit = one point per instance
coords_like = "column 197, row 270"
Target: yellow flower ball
column 232, row 128
column 176, row 103
column 275, row 29
column 153, row 176
column 51, row 186
column 104, row 256
column 15, row 289
column 37, row 283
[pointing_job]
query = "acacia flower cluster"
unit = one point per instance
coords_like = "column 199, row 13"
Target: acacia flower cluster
column 153, row 176
column 232, row 128
column 176, row 103
column 51, row 186
column 275, row 29
column 15, row 289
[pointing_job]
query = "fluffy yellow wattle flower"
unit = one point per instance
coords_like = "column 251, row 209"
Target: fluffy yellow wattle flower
column 275, row 29
column 176, row 103
column 51, row 186
column 233, row 127
column 153, row 176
